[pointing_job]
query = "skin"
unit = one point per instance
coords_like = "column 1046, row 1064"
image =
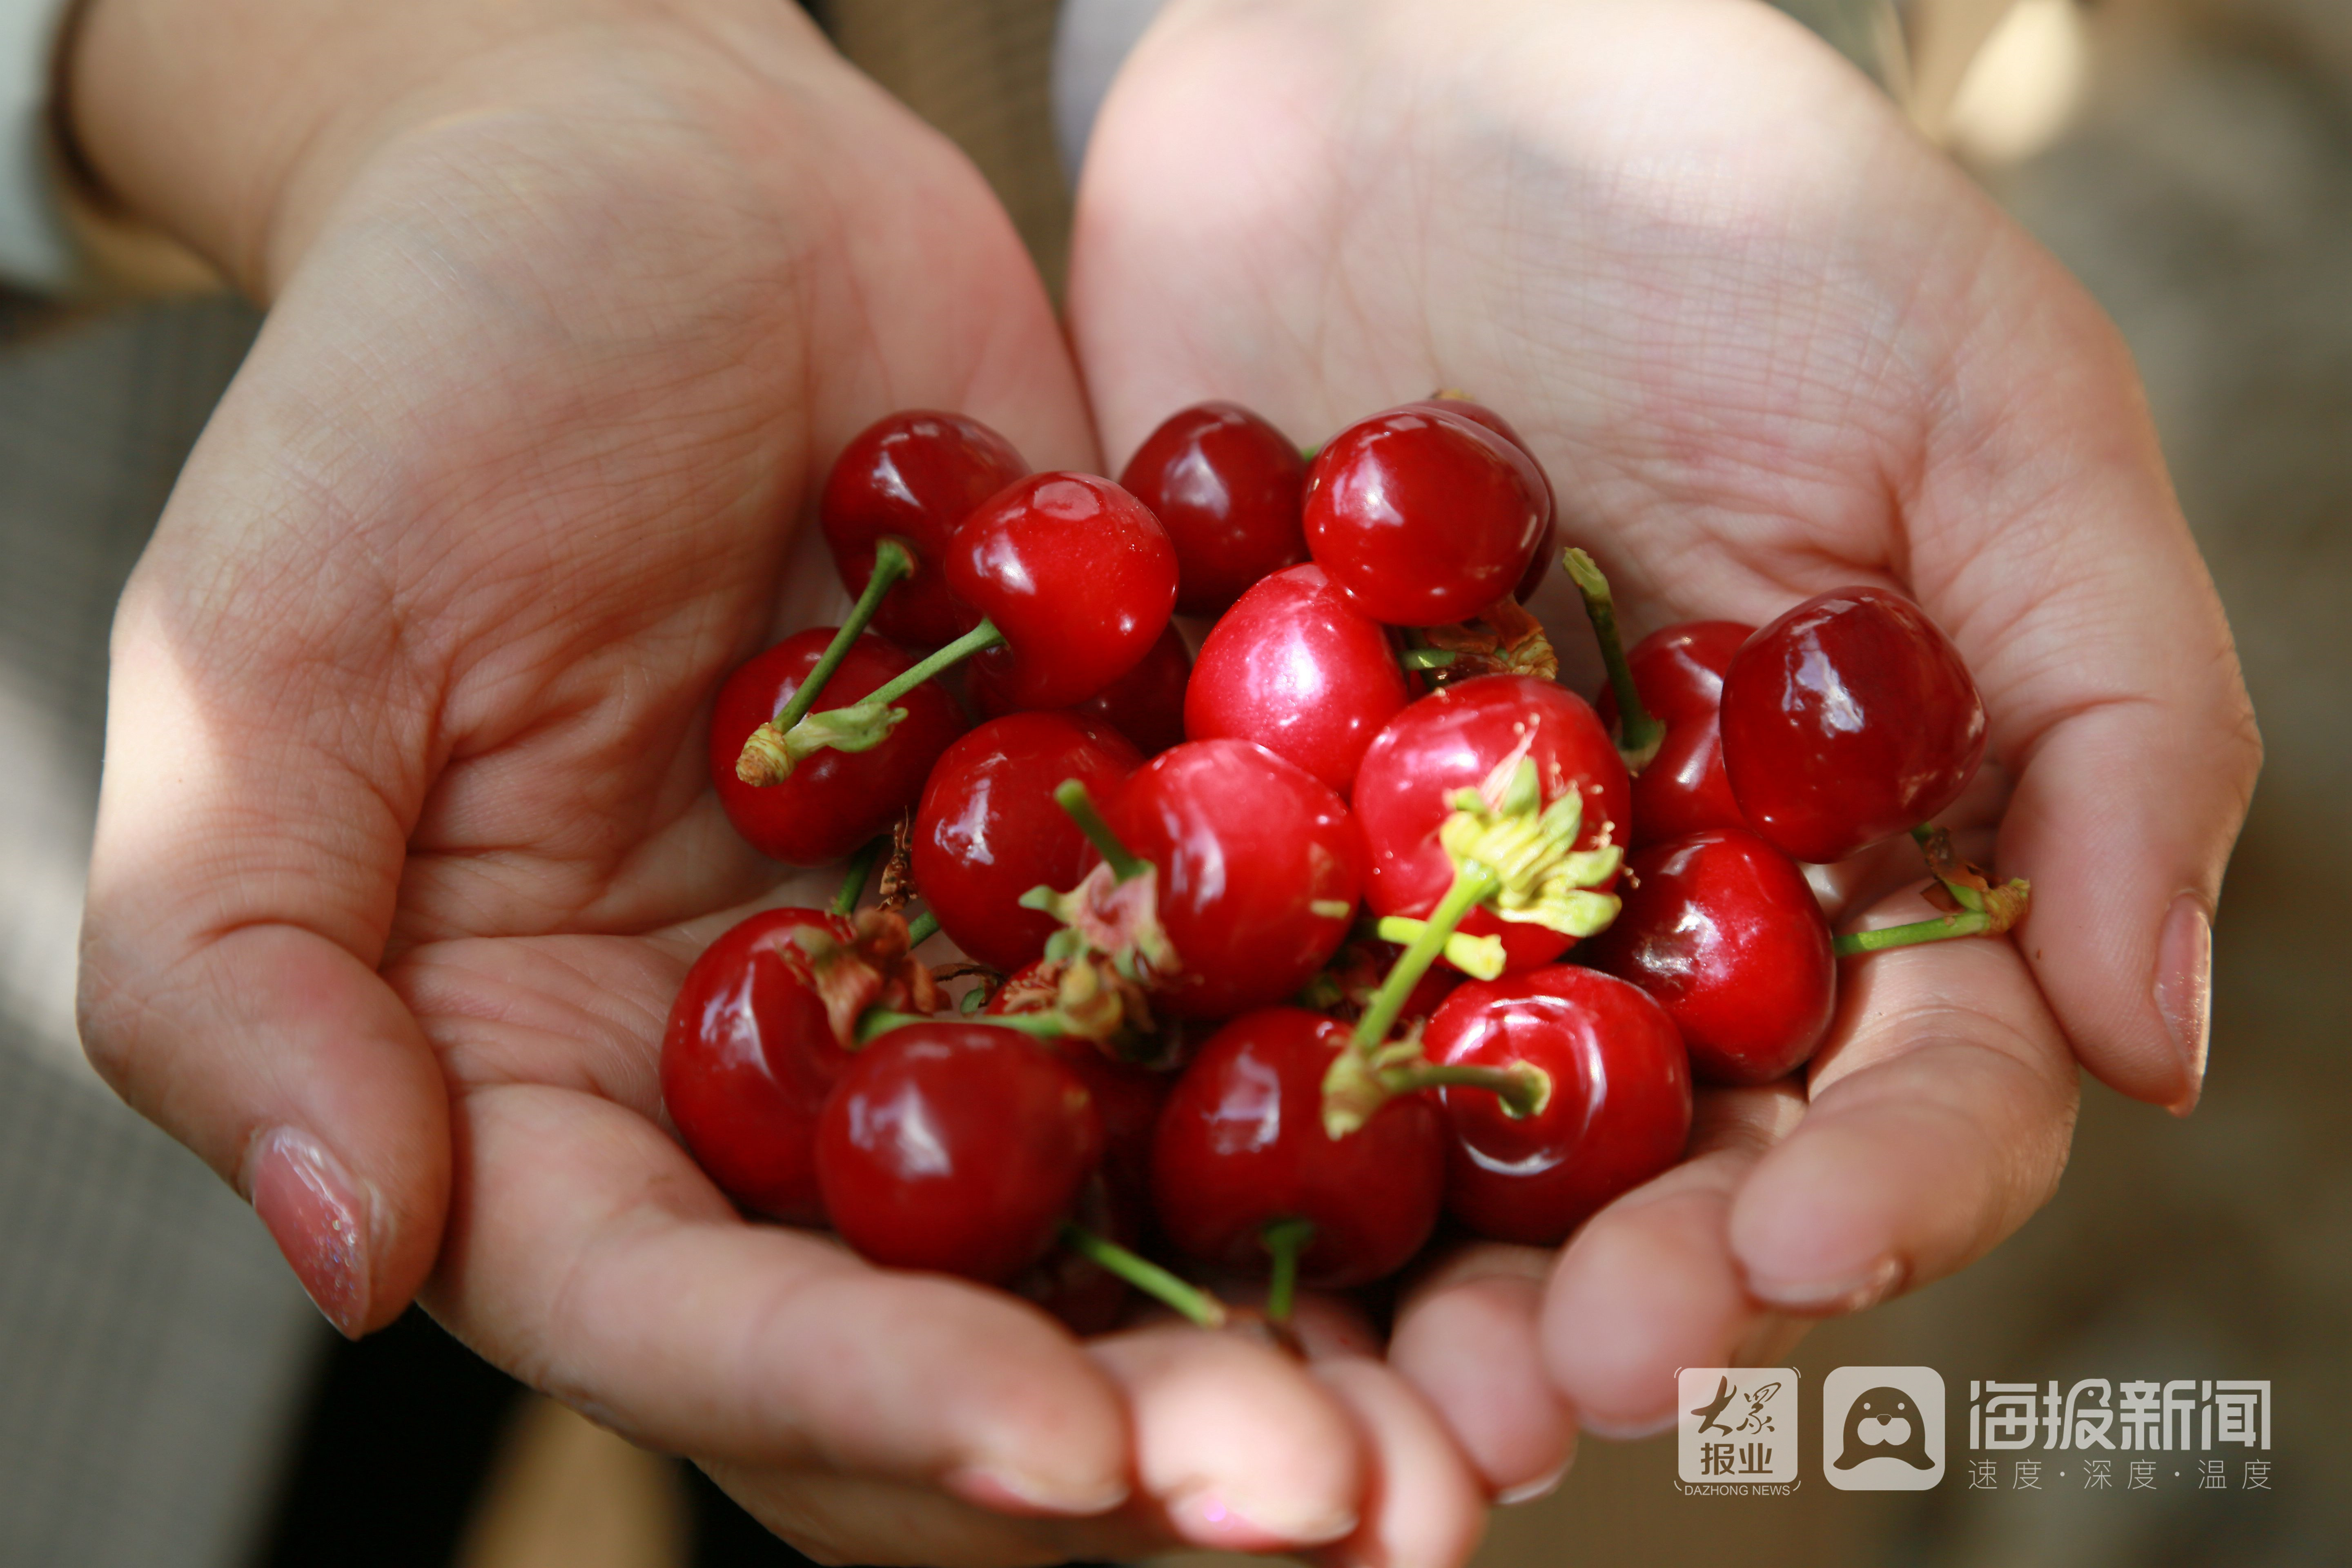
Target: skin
column 405, row 841
column 404, row 844
column 1765, row 341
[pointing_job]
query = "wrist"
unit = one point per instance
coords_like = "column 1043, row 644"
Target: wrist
column 233, row 125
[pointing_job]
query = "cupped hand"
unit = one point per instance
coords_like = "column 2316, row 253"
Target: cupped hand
column 1767, row 342
column 406, row 838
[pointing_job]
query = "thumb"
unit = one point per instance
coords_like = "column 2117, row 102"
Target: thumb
column 242, row 884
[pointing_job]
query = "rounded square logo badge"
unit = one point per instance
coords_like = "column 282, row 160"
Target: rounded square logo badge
column 1883, row 1429
column 1737, row 1427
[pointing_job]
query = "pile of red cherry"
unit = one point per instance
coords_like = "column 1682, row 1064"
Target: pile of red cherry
column 1266, row 948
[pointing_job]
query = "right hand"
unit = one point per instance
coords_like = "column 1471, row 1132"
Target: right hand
column 406, row 839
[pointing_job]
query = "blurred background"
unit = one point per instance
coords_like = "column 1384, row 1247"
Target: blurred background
column 167, row 1396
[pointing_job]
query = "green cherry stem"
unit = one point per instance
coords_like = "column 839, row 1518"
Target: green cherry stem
column 981, row 638
column 1985, row 909
column 921, row 928
column 1639, row 735
column 1426, row 657
column 893, row 563
column 1071, row 796
column 1943, row 928
column 1473, row 884
column 878, row 1021
column 773, row 750
column 1189, row 1300
column 853, row 883
column 1523, row 1088
column 1284, row 1239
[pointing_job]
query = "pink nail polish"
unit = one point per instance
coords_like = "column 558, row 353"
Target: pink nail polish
column 2184, row 987
column 312, row 1211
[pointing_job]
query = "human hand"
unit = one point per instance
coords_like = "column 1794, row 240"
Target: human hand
column 1767, row 342
column 406, row 838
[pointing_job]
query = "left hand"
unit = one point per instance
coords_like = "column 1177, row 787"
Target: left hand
column 1768, row 342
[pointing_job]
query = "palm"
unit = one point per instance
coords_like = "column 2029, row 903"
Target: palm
column 1766, row 343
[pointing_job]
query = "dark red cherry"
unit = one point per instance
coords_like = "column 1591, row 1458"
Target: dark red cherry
column 833, row 801
column 1458, row 738
column 1146, row 704
column 1296, row 668
column 1240, row 1145
column 749, row 1059
column 1076, row 573
column 988, row 830
column 1479, row 413
column 1678, row 670
column 1259, row 872
column 1227, row 487
column 958, row 1147
column 1849, row 719
column 916, row 476
column 1619, row 1110
column 1423, row 516
column 1725, row 932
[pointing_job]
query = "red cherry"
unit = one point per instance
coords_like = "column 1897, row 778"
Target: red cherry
column 988, row 829
column 1619, row 1110
column 955, row 1147
column 1425, row 517
column 1259, row 872
column 915, row 475
column 1296, row 668
column 1849, row 719
column 1479, row 413
column 1456, row 738
column 748, row 1060
column 1227, row 487
column 1725, row 931
column 1678, row 670
column 1146, row 704
column 1077, row 575
column 833, row 801
column 1240, row 1145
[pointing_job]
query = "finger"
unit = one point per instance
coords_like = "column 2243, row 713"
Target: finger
column 1941, row 1110
column 856, row 1519
column 1422, row 1503
column 1649, row 1284
column 2107, row 666
column 1468, row 1339
column 1236, row 1447
column 241, row 885
column 587, row 1255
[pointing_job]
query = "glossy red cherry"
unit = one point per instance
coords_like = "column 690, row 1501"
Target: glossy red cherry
column 1457, row 739
column 1227, row 486
column 1259, row 872
column 956, row 1147
column 1725, row 932
column 1146, row 704
column 1479, row 413
column 1296, row 668
column 1849, row 719
column 988, row 829
column 1423, row 516
column 915, row 476
column 1619, row 1110
column 1077, row 575
column 749, row 1059
column 1678, row 670
column 835, row 801
column 1240, row 1145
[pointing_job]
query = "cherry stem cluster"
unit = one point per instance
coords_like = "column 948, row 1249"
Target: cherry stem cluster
column 1979, row 907
column 1639, row 734
column 1189, row 1300
column 893, row 563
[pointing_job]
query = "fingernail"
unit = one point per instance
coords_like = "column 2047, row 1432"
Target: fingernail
column 1829, row 1297
column 1207, row 1518
column 2184, row 989
column 312, row 1208
column 1528, row 1491
column 1011, row 1491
